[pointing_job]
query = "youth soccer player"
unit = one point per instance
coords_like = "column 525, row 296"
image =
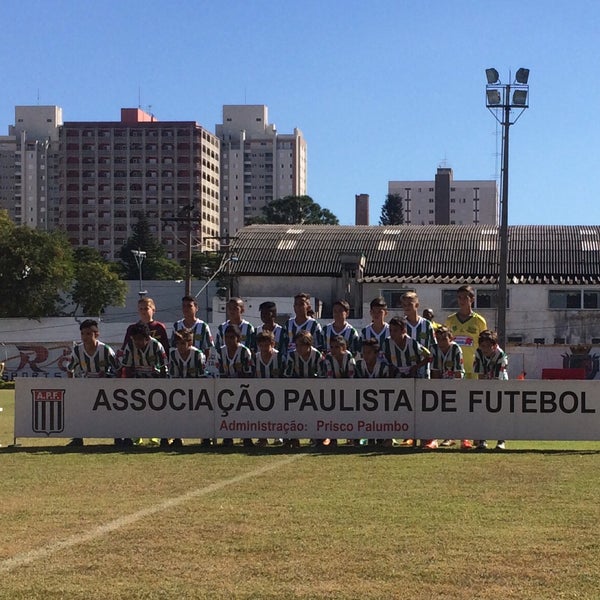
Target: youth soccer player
column 146, row 310
column 303, row 361
column 185, row 361
column 339, row 363
column 340, row 326
column 235, row 360
column 268, row 314
column 378, row 329
column 406, row 358
column 144, row 357
column 202, row 338
column 91, row 358
column 268, row 363
column 303, row 322
column 491, row 362
column 234, row 309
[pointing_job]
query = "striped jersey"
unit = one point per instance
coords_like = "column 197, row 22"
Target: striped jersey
column 312, row 326
column 296, row 366
column 238, row 365
column 422, row 331
column 280, row 335
column 246, row 329
column 348, row 332
column 402, row 359
column 368, row 333
column 449, row 361
column 491, row 367
column 380, row 370
column 192, row 366
column 103, row 363
column 466, row 335
column 150, row 361
column 157, row 330
column 201, row 331
column 273, row 368
column 332, row 369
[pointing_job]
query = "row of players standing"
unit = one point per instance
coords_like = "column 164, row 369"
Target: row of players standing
column 408, row 346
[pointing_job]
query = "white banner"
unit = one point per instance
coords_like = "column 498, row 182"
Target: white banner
column 307, row 408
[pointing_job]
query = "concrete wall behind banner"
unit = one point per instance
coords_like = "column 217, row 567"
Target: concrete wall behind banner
column 307, row 408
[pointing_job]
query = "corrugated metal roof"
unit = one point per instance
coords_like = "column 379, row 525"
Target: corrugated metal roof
column 453, row 254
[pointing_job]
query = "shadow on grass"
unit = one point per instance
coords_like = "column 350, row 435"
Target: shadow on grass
column 369, row 451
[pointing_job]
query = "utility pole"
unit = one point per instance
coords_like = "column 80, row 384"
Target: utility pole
column 189, row 219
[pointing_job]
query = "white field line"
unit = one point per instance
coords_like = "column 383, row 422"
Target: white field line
column 32, row 556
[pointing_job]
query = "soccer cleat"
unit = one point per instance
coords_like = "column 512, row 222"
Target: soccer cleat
column 501, row 445
column 448, row 443
column 429, row 444
column 75, row 443
column 481, row 445
column 466, row 445
column 248, row 443
column 162, row 442
column 407, row 443
column 177, row 443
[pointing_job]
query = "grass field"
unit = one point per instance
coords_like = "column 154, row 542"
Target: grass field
column 351, row 523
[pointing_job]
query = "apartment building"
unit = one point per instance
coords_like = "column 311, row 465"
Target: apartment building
column 28, row 166
column 111, row 173
column 446, row 201
column 258, row 164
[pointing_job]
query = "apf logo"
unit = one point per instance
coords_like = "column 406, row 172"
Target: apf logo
column 48, row 413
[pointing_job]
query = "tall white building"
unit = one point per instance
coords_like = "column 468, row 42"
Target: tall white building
column 28, row 160
column 258, row 164
column 446, row 201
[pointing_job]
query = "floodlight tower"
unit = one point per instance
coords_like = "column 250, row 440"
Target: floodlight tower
column 139, row 256
column 500, row 103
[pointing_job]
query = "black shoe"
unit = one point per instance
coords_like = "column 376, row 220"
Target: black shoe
column 75, row 443
column 177, row 443
column 248, row 443
column 127, row 443
column 227, row 442
column 164, row 443
column 206, row 443
column 119, row 442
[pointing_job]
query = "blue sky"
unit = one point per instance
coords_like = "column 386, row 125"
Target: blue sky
column 381, row 90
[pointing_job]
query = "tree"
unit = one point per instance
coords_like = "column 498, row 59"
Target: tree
column 97, row 284
column 156, row 265
column 392, row 212
column 292, row 210
column 35, row 267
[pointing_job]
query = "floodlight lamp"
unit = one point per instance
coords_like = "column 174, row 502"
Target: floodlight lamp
column 520, row 98
column 493, row 97
column 492, row 76
column 522, row 76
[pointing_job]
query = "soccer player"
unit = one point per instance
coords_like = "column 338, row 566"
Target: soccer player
column 235, row 360
column 303, row 322
column 378, row 329
column 340, row 326
column 234, row 309
column 185, row 361
column 491, row 362
column 466, row 325
column 428, row 314
column 268, row 314
column 268, row 362
column 202, row 338
column 406, row 358
column 338, row 363
column 146, row 309
column 371, row 366
column 303, row 361
column 447, row 363
column 144, row 357
column 91, row 358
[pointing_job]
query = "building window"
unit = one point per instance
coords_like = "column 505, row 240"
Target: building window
column 393, row 298
column 483, row 299
column 574, row 299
